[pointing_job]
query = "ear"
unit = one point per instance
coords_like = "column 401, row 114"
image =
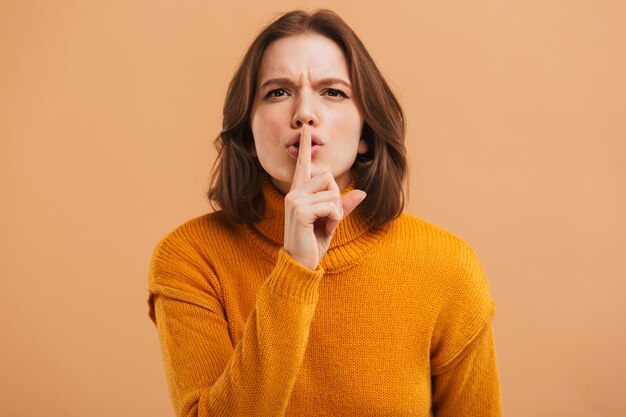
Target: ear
column 363, row 148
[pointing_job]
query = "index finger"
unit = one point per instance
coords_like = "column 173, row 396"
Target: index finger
column 302, row 174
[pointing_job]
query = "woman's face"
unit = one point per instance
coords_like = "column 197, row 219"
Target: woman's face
column 304, row 79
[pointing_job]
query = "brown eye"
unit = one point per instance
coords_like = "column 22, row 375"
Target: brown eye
column 333, row 92
column 280, row 92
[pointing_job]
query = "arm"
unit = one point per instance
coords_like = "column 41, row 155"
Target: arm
column 470, row 385
column 206, row 374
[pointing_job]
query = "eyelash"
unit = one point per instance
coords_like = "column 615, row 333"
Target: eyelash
column 341, row 93
column 338, row 93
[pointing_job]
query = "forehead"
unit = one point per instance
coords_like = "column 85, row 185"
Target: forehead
column 311, row 55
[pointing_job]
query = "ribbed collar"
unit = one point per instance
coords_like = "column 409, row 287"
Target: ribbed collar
column 351, row 241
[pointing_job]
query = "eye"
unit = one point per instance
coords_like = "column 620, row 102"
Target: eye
column 333, row 92
column 279, row 92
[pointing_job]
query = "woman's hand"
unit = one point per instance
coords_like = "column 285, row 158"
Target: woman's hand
column 313, row 209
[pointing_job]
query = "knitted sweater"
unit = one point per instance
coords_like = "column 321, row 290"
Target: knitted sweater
column 394, row 322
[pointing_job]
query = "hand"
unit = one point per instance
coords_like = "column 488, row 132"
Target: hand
column 313, row 209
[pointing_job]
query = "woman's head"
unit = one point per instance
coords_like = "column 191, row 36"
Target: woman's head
column 304, row 79
column 313, row 69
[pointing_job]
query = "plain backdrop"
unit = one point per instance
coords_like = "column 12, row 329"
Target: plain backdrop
column 516, row 139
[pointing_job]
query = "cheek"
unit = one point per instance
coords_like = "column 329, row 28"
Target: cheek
column 348, row 124
column 265, row 125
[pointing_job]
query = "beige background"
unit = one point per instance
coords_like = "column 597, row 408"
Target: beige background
column 517, row 143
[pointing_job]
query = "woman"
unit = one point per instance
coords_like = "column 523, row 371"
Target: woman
column 309, row 291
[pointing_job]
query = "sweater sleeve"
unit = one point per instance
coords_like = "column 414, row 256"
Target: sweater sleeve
column 206, row 374
column 470, row 388
column 463, row 363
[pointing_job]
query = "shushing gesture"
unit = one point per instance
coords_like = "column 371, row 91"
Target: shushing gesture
column 313, row 209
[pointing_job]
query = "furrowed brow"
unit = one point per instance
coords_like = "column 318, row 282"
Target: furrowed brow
column 322, row 82
column 277, row 81
column 331, row 81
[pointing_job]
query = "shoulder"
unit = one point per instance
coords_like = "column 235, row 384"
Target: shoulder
column 458, row 290
column 181, row 266
column 455, row 273
column 192, row 245
column 429, row 239
column 199, row 232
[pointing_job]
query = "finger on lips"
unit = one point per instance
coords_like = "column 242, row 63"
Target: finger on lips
column 302, row 173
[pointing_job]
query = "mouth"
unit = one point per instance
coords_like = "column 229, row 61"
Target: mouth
column 294, row 150
column 293, row 146
column 295, row 140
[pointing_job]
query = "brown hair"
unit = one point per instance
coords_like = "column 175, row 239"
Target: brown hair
column 236, row 182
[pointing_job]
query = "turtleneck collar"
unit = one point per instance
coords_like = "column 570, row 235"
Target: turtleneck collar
column 351, row 240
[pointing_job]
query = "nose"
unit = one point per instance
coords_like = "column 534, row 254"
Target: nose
column 304, row 113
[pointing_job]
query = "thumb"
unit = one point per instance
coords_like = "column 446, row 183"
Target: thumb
column 351, row 200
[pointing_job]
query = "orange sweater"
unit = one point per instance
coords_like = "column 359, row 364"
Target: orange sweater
column 392, row 323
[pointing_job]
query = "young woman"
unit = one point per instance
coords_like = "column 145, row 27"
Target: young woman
column 310, row 292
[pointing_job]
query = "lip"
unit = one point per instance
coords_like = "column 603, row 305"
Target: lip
column 293, row 146
column 295, row 140
column 293, row 150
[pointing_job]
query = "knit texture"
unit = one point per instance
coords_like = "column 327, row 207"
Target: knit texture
column 394, row 322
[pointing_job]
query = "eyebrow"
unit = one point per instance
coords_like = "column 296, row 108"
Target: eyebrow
column 324, row 81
